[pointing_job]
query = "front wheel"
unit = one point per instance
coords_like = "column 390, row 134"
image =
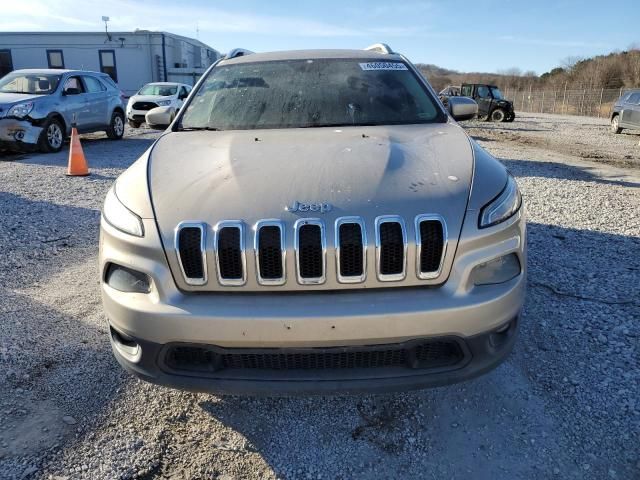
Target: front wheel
column 52, row 137
column 615, row 125
column 510, row 118
column 498, row 115
column 116, row 127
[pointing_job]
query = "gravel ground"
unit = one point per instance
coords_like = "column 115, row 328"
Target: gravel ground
column 566, row 404
column 582, row 137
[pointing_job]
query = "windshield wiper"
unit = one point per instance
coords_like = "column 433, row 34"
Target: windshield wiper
column 196, row 129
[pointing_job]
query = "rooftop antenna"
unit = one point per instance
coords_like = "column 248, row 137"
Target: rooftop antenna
column 106, row 30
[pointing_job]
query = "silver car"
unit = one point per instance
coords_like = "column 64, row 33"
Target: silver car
column 39, row 107
column 313, row 221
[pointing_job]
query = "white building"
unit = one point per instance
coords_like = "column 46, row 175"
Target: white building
column 131, row 58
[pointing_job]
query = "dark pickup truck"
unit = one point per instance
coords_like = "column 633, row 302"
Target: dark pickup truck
column 491, row 103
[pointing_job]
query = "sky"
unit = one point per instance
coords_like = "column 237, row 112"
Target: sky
column 480, row 35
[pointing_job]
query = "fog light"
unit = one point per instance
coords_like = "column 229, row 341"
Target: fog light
column 126, row 279
column 19, row 135
column 498, row 270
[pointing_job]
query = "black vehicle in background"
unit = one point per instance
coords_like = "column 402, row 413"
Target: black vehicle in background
column 491, row 103
column 626, row 112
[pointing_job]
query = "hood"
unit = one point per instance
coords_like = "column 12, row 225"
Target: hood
column 7, row 100
column 364, row 171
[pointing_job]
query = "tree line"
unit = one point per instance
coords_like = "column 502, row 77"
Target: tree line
column 614, row 70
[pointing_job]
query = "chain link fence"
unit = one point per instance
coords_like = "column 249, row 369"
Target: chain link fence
column 589, row 102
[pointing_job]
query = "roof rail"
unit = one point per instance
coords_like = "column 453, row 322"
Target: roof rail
column 238, row 52
column 380, row 48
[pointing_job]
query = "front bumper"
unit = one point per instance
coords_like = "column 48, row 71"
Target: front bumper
column 137, row 115
column 458, row 310
column 480, row 354
column 18, row 134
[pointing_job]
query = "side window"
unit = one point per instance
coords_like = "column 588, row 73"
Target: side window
column 109, row 82
column 466, row 91
column 108, row 63
column 55, row 58
column 183, row 93
column 483, row 92
column 634, row 99
column 73, row 86
column 93, row 84
column 6, row 63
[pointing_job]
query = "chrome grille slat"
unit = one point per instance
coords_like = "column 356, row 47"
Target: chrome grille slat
column 229, row 244
column 270, row 252
column 440, row 242
column 311, row 251
column 391, row 248
column 352, row 250
column 190, row 242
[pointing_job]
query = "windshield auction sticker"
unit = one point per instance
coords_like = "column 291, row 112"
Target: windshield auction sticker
column 383, row 66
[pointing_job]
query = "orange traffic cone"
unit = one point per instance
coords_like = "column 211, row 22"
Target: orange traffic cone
column 77, row 162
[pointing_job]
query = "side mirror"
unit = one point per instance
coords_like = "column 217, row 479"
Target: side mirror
column 462, row 108
column 71, row 91
column 160, row 118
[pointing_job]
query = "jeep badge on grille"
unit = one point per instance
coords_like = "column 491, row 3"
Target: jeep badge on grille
column 308, row 207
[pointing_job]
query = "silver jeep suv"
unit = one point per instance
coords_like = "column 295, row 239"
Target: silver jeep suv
column 313, row 221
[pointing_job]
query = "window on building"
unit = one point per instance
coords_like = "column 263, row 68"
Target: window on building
column 6, row 64
column 93, row 84
column 108, row 63
column 55, row 58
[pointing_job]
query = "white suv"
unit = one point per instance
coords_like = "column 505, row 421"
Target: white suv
column 152, row 95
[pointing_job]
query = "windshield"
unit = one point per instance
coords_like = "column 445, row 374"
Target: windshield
column 497, row 94
column 31, row 83
column 310, row 93
column 161, row 90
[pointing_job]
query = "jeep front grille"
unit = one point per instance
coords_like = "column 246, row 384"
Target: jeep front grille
column 392, row 262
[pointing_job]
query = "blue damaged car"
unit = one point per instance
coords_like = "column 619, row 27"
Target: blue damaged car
column 39, row 107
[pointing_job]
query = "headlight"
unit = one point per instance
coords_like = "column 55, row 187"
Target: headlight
column 503, row 206
column 21, row 110
column 164, row 103
column 120, row 217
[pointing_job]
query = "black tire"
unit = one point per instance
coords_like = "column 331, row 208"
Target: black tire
column 510, row 118
column 615, row 122
column 52, row 137
column 133, row 124
column 116, row 127
column 498, row 115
